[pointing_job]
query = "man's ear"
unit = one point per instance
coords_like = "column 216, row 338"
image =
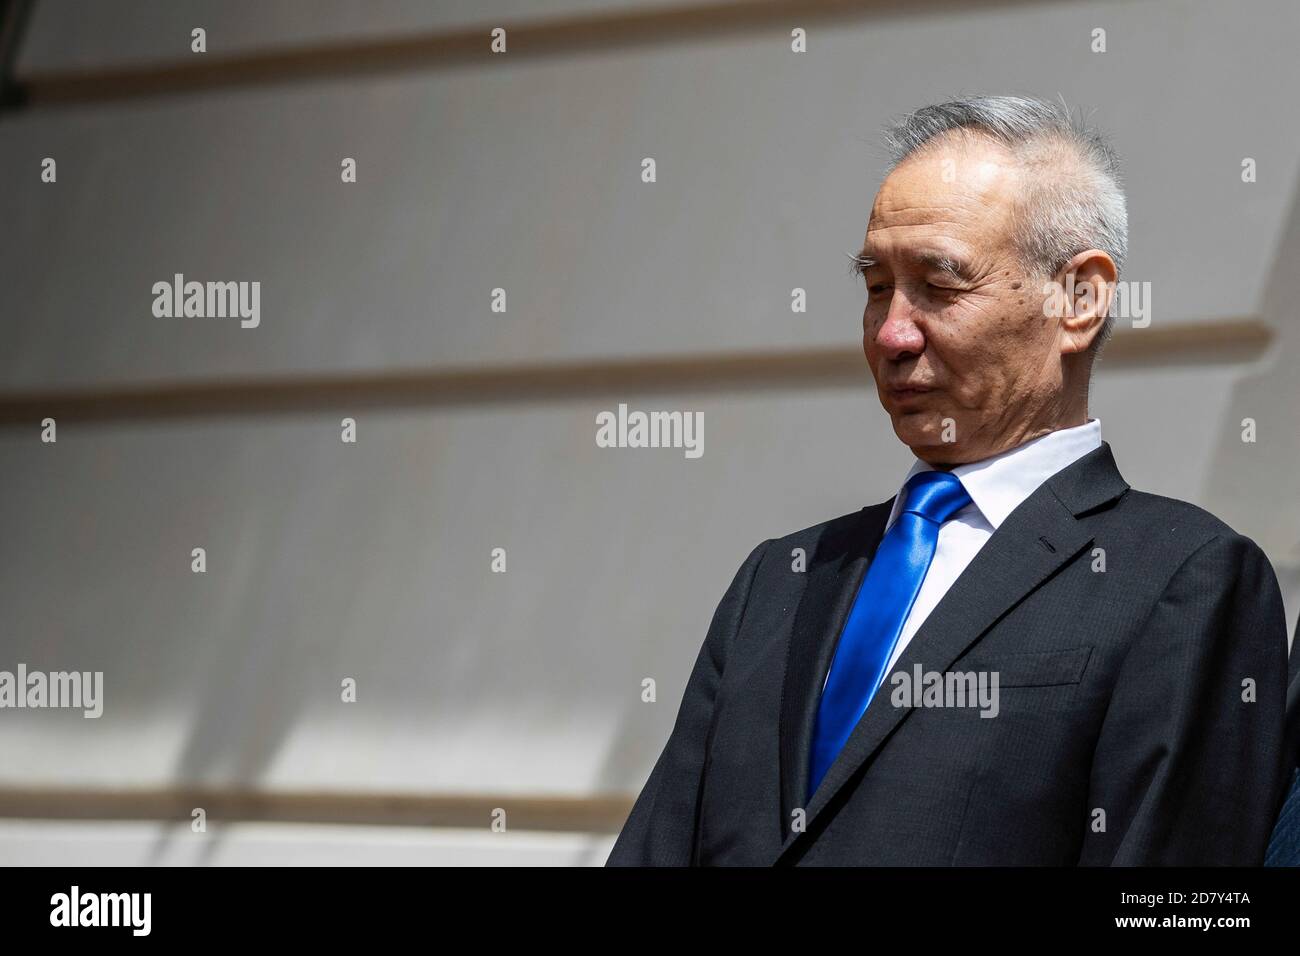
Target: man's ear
column 1088, row 281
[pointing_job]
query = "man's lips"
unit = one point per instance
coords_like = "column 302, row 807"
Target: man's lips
column 903, row 391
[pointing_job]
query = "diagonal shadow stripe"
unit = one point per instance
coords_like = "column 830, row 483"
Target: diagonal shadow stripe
column 598, row 814
column 470, row 46
column 1195, row 342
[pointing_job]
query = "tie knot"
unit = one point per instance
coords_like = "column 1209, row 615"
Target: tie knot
column 936, row 495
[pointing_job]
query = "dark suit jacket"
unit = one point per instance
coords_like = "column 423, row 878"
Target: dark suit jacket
column 1284, row 845
column 1122, row 736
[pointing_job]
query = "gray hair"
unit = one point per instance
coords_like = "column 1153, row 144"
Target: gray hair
column 1075, row 197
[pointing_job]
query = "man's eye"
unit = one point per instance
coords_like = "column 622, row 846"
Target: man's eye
column 878, row 289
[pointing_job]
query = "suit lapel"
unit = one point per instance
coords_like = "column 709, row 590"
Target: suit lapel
column 1036, row 539
column 836, row 571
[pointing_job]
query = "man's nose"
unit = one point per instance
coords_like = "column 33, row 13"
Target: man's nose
column 898, row 335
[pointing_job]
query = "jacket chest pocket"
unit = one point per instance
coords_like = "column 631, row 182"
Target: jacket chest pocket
column 1034, row 668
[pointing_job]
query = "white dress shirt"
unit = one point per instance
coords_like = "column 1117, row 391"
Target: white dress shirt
column 996, row 486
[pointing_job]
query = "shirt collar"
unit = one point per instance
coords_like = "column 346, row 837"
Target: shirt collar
column 998, row 485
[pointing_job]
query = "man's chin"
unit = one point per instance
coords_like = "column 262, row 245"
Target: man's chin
column 925, row 437
column 913, row 428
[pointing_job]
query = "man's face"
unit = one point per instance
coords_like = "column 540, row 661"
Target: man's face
column 966, row 362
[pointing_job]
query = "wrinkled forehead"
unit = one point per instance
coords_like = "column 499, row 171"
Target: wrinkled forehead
column 958, row 192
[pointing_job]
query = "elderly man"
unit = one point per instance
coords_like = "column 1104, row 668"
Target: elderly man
column 1078, row 673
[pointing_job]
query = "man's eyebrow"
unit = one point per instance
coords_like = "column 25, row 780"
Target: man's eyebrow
column 942, row 262
column 860, row 262
column 950, row 266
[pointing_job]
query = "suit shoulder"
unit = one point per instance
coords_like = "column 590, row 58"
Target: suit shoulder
column 813, row 539
column 832, row 532
column 770, row 583
column 1153, row 518
column 1156, row 509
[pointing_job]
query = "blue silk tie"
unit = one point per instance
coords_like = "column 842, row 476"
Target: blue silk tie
column 884, row 600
